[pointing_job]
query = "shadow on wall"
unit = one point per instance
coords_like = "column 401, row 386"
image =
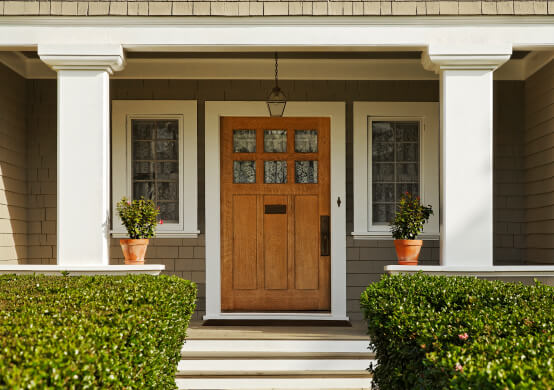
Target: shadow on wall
column 13, row 168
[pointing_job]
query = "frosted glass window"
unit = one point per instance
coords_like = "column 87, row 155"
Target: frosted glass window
column 155, row 162
column 305, row 141
column 244, row 141
column 275, row 172
column 305, row 172
column 275, row 141
column 244, row 172
column 395, row 166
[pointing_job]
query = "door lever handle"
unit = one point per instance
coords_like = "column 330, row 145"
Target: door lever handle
column 325, row 233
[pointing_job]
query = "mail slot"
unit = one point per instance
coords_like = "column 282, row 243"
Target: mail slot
column 275, row 208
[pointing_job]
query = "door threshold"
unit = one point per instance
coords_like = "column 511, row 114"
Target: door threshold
column 285, row 317
column 276, row 323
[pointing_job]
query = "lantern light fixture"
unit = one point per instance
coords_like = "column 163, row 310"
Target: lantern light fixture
column 276, row 100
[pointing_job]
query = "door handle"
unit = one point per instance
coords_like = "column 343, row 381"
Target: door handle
column 325, row 233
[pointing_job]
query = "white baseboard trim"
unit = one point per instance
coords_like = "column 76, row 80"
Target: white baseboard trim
column 21, row 269
column 494, row 271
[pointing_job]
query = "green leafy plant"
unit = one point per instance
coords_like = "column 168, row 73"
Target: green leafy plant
column 139, row 217
column 410, row 217
column 92, row 332
column 437, row 332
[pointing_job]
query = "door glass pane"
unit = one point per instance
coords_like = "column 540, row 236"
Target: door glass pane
column 244, row 141
column 275, row 172
column 275, row 141
column 244, row 172
column 155, row 164
column 305, row 172
column 305, row 141
column 395, row 166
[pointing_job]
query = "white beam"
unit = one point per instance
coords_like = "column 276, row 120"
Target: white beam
column 466, row 162
column 83, row 203
column 290, row 33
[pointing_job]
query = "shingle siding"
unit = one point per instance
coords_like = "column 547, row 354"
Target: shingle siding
column 539, row 166
column 13, row 168
column 276, row 8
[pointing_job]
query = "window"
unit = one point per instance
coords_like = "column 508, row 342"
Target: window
column 154, row 156
column 395, row 151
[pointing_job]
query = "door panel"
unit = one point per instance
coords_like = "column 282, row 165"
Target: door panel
column 244, row 242
column 275, row 243
column 306, row 239
column 275, row 188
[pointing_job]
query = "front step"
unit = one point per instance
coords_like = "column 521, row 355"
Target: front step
column 274, row 364
column 267, row 383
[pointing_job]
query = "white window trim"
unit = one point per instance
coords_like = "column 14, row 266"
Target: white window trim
column 123, row 111
column 428, row 115
column 336, row 112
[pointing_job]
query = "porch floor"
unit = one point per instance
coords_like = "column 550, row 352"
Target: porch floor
column 358, row 331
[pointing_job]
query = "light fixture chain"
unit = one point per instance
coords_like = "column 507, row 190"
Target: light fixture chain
column 276, row 71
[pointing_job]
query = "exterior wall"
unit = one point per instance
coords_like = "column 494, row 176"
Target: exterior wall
column 539, row 166
column 13, row 175
column 42, row 165
column 509, row 201
column 186, row 257
column 274, row 7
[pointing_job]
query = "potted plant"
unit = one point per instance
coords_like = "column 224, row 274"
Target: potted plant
column 407, row 224
column 140, row 219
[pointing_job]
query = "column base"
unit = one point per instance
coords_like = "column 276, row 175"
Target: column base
column 148, row 269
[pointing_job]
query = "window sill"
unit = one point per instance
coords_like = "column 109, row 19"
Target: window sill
column 162, row 235
column 387, row 236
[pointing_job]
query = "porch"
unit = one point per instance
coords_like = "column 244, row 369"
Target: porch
column 495, row 142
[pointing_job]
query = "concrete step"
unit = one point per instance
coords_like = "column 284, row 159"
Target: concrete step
column 274, row 364
column 197, row 348
column 263, row 383
column 253, row 367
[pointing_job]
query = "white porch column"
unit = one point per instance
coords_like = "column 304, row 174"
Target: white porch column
column 466, row 161
column 83, row 191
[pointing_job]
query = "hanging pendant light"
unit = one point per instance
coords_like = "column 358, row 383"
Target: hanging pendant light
column 277, row 100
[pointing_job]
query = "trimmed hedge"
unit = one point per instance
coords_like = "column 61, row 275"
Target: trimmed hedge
column 432, row 332
column 85, row 332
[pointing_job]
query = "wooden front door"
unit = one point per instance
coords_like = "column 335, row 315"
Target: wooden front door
column 275, row 221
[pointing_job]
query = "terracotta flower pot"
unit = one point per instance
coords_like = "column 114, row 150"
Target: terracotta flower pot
column 134, row 250
column 407, row 251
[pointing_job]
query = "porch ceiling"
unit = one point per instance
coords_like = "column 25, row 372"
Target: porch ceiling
column 294, row 65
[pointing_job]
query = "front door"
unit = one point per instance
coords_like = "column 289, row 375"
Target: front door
column 275, row 221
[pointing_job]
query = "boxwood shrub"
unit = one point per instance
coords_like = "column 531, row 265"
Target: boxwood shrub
column 92, row 332
column 432, row 332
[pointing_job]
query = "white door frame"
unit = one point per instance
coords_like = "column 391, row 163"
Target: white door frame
column 336, row 112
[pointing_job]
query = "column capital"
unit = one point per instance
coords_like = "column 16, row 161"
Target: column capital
column 487, row 59
column 109, row 58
